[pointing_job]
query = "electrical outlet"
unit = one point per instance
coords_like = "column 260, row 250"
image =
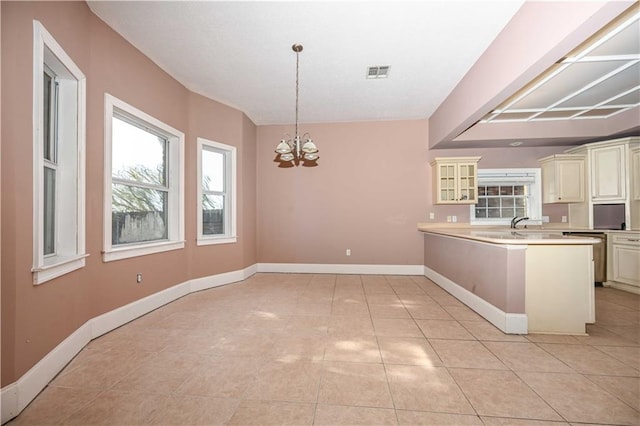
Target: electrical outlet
column 545, row 219
column 454, row 218
column 448, row 218
column 348, row 252
column 432, row 215
column 564, row 219
column 139, row 277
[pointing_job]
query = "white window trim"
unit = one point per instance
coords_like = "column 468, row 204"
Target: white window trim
column 534, row 199
column 176, row 181
column 45, row 269
column 231, row 236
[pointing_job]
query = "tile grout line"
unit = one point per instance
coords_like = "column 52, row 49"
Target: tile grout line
column 324, row 352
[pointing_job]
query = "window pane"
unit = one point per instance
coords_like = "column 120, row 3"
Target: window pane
column 519, row 190
column 507, row 212
column 49, row 116
column 49, row 225
column 213, row 215
column 138, row 214
column 506, row 190
column 493, row 190
column 493, row 201
column 494, row 213
column 212, row 171
column 138, row 155
column 46, row 116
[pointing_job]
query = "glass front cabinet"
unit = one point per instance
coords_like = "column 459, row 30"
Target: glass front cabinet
column 455, row 180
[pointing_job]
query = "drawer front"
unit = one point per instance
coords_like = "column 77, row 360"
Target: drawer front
column 627, row 239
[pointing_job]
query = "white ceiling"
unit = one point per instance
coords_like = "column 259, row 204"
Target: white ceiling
column 239, row 52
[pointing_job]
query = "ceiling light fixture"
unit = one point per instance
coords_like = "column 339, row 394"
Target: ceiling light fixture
column 293, row 150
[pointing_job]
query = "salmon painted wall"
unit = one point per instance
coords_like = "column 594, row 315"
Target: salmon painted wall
column 216, row 122
column 371, row 187
column 37, row 318
column 493, row 272
column 366, row 194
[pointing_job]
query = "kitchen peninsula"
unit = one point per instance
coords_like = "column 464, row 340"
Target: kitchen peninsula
column 522, row 281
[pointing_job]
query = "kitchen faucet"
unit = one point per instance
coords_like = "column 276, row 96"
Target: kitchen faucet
column 516, row 220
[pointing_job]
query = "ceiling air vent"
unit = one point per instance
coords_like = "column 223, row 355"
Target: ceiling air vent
column 381, row 71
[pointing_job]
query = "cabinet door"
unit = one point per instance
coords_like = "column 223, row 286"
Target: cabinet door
column 570, row 181
column 635, row 174
column 467, row 185
column 447, row 182
column 626, row 264
column 608, row 173
column 563, row 180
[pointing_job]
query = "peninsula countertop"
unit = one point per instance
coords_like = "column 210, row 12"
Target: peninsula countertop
column 500, row 235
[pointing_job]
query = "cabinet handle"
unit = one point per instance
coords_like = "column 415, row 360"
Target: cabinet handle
column 635, row 240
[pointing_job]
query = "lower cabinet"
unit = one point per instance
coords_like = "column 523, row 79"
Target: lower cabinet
column 625, row 260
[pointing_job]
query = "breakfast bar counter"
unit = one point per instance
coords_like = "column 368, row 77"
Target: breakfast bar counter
column 522, row 281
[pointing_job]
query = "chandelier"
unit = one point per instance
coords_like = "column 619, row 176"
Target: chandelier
column 294, row 150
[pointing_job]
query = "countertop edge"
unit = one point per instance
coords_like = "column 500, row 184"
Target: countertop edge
column 519, row 237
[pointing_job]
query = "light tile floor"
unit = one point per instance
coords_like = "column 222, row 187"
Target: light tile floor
column 346, row 349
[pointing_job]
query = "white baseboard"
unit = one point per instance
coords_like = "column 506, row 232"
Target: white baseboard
column 9, row 402
column 321, row 268
column 622, row 286
column 508, row 323
column 205, row 283
column 16, row 396
column 113, row 319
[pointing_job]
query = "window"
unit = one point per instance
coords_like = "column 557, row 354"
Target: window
column 506, row 193
column 216, row 193
column 144, row 185
column 59, row 111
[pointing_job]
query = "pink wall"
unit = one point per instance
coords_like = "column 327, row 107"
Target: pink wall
column 371, row 187
column 37, row 318
column 367, row 194
column 493, row 272
column 214, row 121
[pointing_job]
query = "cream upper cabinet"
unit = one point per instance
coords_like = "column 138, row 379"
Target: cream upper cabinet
column 634, row 190
column 455, row 180
column 563, row 178
column 608, row 172
column 635, row 173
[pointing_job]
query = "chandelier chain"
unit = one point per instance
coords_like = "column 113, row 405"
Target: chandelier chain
column 297, row 66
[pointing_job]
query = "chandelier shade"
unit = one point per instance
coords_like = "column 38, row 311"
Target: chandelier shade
column 283, row 147
column 292, row 150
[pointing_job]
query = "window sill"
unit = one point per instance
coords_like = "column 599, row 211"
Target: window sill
column 140, row 250
column 206, row 241
column 59, row 266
